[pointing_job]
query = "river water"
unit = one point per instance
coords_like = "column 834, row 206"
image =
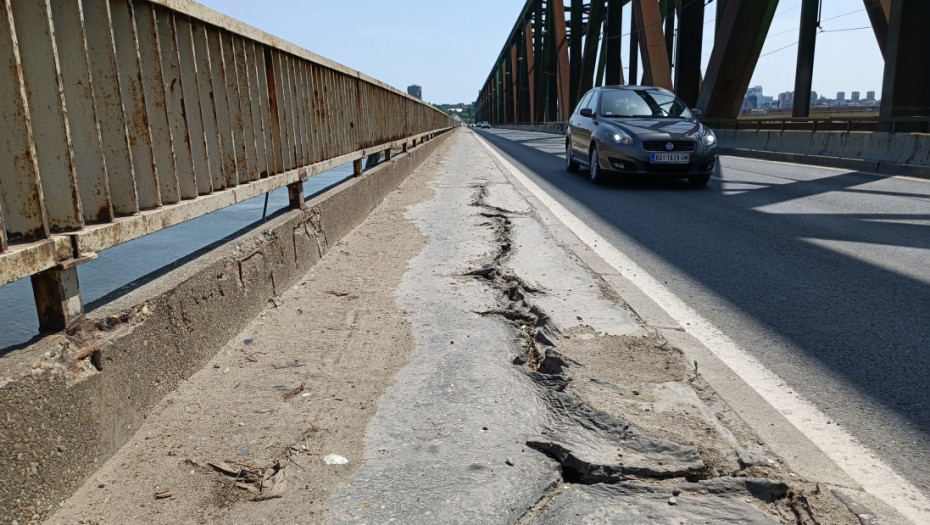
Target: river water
column 112, row 273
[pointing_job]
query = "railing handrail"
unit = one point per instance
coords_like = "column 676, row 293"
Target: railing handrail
column 125, row 118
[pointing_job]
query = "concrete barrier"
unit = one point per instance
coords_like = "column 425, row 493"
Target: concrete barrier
column 555, row 128
column 69, row 402
column 875, row 152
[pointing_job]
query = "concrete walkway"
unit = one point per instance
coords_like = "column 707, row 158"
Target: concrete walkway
column 450, row 361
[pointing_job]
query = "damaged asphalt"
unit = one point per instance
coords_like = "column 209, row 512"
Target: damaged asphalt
column 528, row 392
column 491, row 299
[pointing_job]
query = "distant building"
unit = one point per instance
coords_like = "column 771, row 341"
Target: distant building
column 870, row 96
column 786, row 99
column 854, row 96
column 415, row 91
column 840, row 98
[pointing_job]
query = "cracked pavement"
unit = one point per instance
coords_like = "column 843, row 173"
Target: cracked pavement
column 471, row 369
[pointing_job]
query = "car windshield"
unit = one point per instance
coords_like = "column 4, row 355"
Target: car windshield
column 622, row 103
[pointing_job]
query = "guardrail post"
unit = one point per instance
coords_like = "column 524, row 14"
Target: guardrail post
column 387, row 154
column 295, row 191
column 357, row 167
column 58, row 298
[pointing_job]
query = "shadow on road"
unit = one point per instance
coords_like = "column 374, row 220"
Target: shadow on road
column 866, row 325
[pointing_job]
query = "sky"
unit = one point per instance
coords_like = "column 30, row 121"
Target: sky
column 448, row 47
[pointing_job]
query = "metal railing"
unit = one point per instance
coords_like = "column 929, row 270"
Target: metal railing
column 824, row 122
column 123, row 117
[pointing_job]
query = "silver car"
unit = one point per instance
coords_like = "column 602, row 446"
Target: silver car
column 639, row 130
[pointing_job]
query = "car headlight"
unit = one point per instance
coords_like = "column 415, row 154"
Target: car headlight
column 620, row 137
column 707, row 137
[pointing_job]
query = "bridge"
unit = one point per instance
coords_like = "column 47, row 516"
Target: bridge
column 125, row 118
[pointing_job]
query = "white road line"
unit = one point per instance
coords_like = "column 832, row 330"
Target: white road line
column 860, row 463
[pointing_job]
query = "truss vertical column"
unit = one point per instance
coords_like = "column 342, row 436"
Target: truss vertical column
column 804, row 74
column 514, row 93
column 576, row 50
column 557, row 15
column 688, row 52
column 656, row 68
column 668, row 8
column 613, row 33
column 879, row 12
column 906, row 84
column 739, row 41
column 634, row 51
column 530, row 73
column 592, row 38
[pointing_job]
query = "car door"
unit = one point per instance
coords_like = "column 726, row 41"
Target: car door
column 579, row 129
column 585, row 127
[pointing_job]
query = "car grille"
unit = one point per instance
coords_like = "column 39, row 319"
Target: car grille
column 659, row 145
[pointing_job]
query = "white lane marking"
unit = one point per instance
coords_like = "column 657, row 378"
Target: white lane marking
column 915, row 179
column 860, row 463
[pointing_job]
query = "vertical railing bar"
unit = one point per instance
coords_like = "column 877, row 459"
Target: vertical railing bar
column 224, row 132
column 352, row 105
column 280, row 104
column 174, row 104
column 297, row 66
column 260, row 120
column 89, row 162
column 331, row 115
column 41, row 75
column 244, row 88
column 133, row 97
column 193, row 110
column 20, row 188
column 290, row 109
column 153, row 84
column 338, row 113
column 274, row 107
column 235, row 112
column 344, row 122
column 319, row 110
column 313, row 139
column 208, row 110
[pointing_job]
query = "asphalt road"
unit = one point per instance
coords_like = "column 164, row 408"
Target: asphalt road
column 821, row 274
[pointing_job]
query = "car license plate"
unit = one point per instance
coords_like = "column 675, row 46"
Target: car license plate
column 671, row 158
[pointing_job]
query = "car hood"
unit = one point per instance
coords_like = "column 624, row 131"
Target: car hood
column 656, row 127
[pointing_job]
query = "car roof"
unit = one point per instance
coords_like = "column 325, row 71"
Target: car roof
column 634, row 87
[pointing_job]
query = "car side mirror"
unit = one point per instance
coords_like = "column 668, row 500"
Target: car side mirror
column 698, row 114
column 587, row 112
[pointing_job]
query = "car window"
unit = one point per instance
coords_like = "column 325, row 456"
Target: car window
column 592, row 102
column 643, row 103
column 584, row 102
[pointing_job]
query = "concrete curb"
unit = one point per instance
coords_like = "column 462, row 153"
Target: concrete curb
column 69, row 402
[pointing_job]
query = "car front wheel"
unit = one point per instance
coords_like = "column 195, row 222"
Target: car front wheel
column 570, row 164
column 594, row 167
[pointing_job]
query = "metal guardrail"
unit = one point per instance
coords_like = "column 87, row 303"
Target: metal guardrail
column 123, row 117
column 822, row 123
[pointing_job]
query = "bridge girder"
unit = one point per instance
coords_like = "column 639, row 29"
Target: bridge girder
column 569, row 49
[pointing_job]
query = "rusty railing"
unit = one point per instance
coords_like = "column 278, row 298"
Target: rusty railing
column 123, row 117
